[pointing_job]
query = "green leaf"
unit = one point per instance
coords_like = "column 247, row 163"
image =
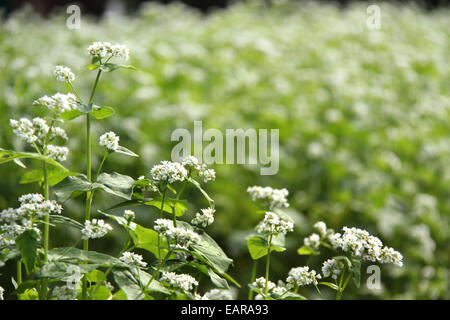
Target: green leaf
column 127, row 66
column 70, row 115
column 133, row 288
column 96, row 276
column 29, row 294
column 148, row 239
column 126, row 151
column 92, row 66
column 180, row 206
column 208, row 251
column 54, row 175
column 102, row 293
column 109, row 67
column 258, row 247
column 117, row 184
column 114, row 183
column 119, row 295
column 59, row 219
column 10, row 155
column 330, row 284
column 306, row 251
column 27, row 243
column 102, row 112
column 74, row 255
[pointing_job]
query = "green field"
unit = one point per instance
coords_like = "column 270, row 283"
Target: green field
column 363, row 117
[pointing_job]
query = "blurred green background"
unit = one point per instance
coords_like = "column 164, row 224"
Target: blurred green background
column 363, row 118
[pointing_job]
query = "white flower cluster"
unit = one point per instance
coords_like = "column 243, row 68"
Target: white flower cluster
column 58, row 103
column 36, row 130
column 13, row 222
column 132, row 259
column 183, row 237
column 274, row 224
column 169, row 172
column 1, row 293
column 106, row 49
column 219, row 294
column 312, row 241
column 272, row 289
column 274, row 198
column 129, row 215
column 193, row 165
column 65, row 293
column 109, row 140
column 332, row 268
column 205, row 218
column 361, row 244
column 63, row 74
column 301, row 276
column 181, row 281
column 57, row 153
column 97, row 228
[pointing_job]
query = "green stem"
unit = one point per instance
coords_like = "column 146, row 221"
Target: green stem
column 157, row 270
column 19, row 272
column 339, row 291
column 89, row 195
column 161, row 215
column 266, row 289
column 101, row 166
column 253, row 277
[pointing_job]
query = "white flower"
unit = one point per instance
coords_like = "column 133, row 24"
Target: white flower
column 57, row 153
column 106, row 49
column 321, row 227
column 301, row 276
column 14, row 222
column 58, row 132
column 95, row 229
column 65, row 293
column 312, row 241
column 274, row 224
column 181, row 281
column 58, row 102
column 1, row 293
column 205, row 218
column 219, row 294
column 133, row 259
column 389, row 255
column 183, row 237
column 129, row 215
column 110, row 141
column 168, row 171
column 207, row 174
column 365, row 246
column 193, row 165
column 332, row 268
column 63, row 74
column 260, row 283
column 24, row 129
column 275, row 198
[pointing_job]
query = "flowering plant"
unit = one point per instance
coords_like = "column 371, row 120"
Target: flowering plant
column 178, row 246
column 183, row 251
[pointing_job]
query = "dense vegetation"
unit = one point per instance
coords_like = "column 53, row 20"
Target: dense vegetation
column 363, row 118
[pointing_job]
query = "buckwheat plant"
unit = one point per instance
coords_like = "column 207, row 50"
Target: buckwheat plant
column 352, row 247
column 184, row 253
